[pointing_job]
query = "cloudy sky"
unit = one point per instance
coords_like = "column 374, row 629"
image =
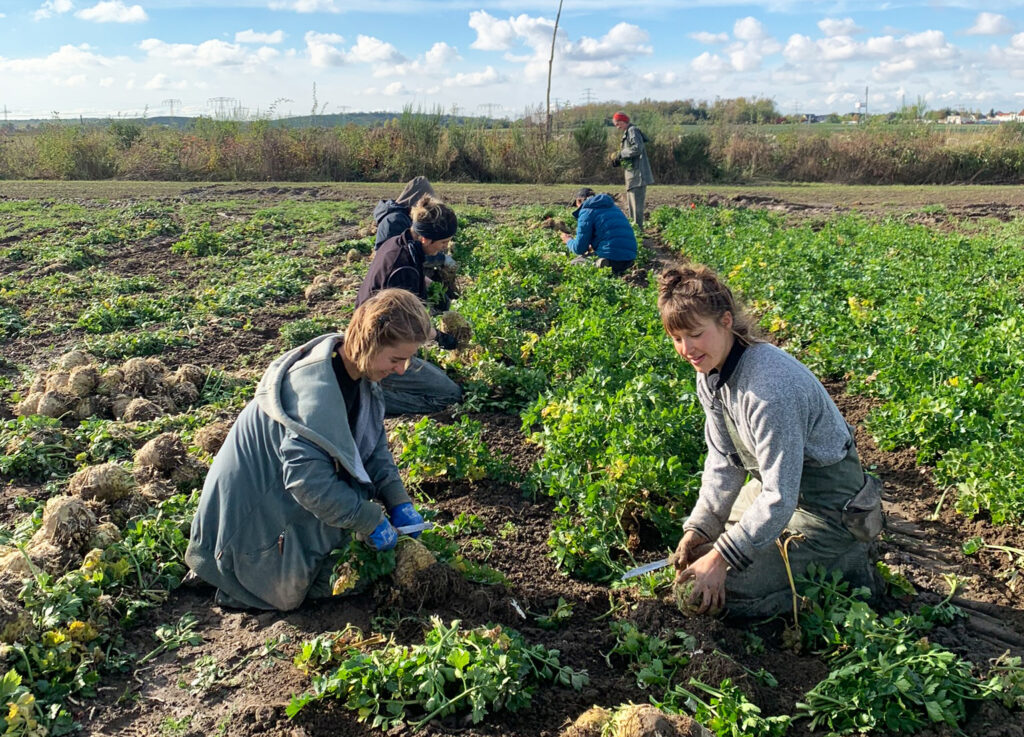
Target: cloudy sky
column 127, row 57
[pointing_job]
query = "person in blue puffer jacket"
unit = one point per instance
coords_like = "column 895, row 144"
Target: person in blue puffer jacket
column 601, row 228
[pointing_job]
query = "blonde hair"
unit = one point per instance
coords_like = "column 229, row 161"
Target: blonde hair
column 389, row 317
column 687, row 294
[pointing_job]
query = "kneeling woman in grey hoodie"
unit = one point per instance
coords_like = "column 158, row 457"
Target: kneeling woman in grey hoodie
column 307, row 463
column 780, row 457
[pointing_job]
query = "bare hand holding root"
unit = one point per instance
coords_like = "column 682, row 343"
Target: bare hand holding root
column 693, row 561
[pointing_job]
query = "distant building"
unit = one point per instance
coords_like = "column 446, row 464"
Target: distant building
column 960, row 119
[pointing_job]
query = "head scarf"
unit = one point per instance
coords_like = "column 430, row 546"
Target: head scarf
column 436, row 231
column 620, row 116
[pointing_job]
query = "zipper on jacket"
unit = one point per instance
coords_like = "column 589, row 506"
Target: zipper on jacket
column 280, row 544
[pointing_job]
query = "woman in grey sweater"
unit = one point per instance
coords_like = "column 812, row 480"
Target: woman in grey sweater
column 780, row 460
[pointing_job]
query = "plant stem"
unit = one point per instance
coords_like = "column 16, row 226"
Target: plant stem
column 442, row 707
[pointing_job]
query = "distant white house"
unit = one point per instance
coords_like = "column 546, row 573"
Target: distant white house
column 968, row 118
column 960, row 119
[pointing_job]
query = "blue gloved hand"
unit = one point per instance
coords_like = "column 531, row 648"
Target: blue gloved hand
column 383, row 536
column 405, row 514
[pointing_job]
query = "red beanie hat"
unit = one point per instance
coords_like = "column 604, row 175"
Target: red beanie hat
column 620, row 116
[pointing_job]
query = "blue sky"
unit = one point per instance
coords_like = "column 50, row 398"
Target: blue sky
column 126, row 57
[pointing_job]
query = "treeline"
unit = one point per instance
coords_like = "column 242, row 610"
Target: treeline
column 577, row 151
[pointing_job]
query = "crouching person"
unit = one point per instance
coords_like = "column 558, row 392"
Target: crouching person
column 398, row 264
column 604, row 236
column 767, row 419
column 307, row 464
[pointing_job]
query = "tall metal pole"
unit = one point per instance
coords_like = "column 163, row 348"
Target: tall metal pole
column 551, row 61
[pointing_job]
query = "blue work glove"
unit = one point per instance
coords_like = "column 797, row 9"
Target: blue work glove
column 405, row 514
column 383, row 536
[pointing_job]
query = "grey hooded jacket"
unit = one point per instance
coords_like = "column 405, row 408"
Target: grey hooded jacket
column 633, row 156
column 291, row 481
column 788, row 421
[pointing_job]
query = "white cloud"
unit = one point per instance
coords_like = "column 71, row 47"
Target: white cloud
column 163, row 82
column 931, row 45
column 746, row 59
column 836, row 27
column 59, row 62
column 267, row 53
column 881, row 46
column 800, row 48
column 491, row 34
column 705, row 37
column 322, row 51
column 474, row 79
column 394, row 89
column 748, row 29
column 890, row 70
column 839, row 48
column 661, row 79
column 710, row 67
column 623, row 39
column 440, row 54
column 309, row 6
column 212, row 53
column 113, row 11
column 990, row 24
column 434, row 60
column 51, row 8
column 107, row 82
column 370, row 50
column 256, row 37
column 500, row 35
column 603, row 69
column 75, row 80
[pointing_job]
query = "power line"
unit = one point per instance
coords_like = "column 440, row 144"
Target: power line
column 490, row 107
column 588, row 96
column 221, row 106
column 170, row 102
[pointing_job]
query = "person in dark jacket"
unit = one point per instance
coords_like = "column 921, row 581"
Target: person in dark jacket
column 307, row 464
column 399, row 264
column 603, row 229
column 394, row 217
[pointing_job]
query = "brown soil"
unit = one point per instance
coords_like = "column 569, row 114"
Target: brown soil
column 157, row 699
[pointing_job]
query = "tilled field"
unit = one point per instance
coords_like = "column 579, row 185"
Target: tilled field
column 77, row 272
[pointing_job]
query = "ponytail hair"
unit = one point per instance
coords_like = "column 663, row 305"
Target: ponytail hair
column 389, row 317
column 688, row 294
column 434, row 220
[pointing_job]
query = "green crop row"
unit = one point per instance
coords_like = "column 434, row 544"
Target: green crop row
column 925, row 320
column 582, row 357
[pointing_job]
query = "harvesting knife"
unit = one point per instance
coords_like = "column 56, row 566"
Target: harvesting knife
column 647, row 568
column 412, row 529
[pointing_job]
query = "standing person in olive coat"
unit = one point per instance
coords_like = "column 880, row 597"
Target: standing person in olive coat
column 632, row 157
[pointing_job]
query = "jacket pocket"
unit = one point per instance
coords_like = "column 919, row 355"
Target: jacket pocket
column 280, row 572
column 862, row 514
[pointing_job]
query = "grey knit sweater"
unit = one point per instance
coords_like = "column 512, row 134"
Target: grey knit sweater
column 786, row 418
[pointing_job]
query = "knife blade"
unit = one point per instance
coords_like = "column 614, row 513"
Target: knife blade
column 647, row 568
column 411, row 529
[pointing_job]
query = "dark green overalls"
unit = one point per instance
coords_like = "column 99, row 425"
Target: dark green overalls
column 826, row 492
